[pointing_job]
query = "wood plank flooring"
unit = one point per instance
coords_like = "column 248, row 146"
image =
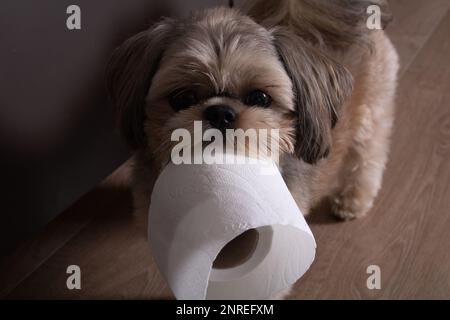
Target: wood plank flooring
column 406, row 233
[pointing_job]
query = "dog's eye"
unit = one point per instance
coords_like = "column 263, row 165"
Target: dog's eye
column 182, row 99
column 258, row 98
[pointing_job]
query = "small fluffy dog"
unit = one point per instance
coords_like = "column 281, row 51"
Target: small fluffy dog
column 310, row 68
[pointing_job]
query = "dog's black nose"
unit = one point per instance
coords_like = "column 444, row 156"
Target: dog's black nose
column 220, row 116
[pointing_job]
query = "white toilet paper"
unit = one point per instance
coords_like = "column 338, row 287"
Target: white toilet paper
column 196, row 210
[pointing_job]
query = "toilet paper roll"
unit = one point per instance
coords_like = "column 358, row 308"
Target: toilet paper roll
column 227, row 231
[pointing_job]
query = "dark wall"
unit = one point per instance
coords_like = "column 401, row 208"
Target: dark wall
column 57, row 132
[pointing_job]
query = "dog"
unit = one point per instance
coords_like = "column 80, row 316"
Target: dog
column 311, row 69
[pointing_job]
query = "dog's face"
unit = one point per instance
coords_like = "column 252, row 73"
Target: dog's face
column 223, row 69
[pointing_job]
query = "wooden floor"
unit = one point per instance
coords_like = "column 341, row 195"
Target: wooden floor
column 407, row 233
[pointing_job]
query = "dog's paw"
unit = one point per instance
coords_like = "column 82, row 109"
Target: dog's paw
column 347, row 207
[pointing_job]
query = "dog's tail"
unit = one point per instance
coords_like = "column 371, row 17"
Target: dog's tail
column 333, row 23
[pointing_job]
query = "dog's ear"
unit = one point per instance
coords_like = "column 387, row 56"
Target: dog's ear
column 129, row 74
column 320, row 87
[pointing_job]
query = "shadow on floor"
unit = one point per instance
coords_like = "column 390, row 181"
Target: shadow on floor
column 321, row 214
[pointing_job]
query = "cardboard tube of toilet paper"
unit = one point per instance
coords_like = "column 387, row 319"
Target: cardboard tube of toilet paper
column 227, row 231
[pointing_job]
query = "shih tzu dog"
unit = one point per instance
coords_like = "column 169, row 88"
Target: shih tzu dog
column 310, row 68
